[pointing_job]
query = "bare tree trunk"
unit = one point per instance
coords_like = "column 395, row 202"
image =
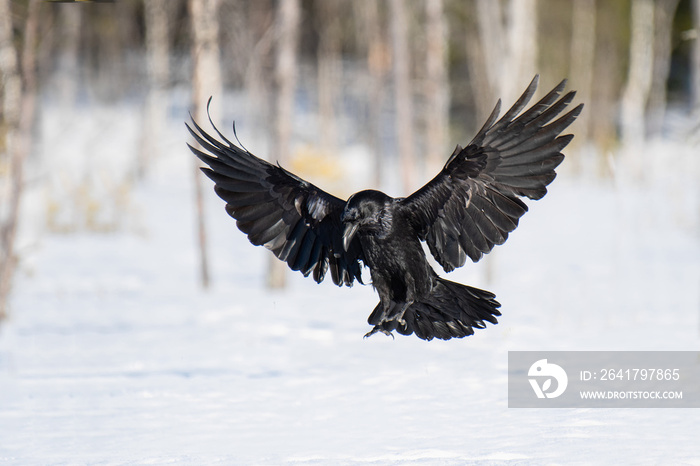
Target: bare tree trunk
column 493, row 46
column 521, row 65
column 636, row 92
column 663, row 31
column 285, row 79
column 65, row 211
column 158, row 64
column 71, row 21
column 608, row 75
column 583, row 42
column 206, row 82
column 261, row 32
column 483, row 90
column 437, row 86
column 18, row 99
column 329, row 72
column 403, row 95
column 371, row 37
column 695, row 59
column 12, row 103
column 509, row 43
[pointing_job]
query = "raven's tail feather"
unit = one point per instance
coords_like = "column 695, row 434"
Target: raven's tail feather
column 451, row 311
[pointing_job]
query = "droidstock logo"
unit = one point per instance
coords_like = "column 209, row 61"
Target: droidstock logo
column 543, row 371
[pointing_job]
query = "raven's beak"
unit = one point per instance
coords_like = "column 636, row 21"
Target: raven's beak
column 349, row 233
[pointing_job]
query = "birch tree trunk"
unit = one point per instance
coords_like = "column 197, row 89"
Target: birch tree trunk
column 509, row 43
column 206, row 82
column 329, row 72
column 521, row 65
column 158, row 64
column 695, row 59
column 493, row 46
column 638, row 86
column 261, row 37
column 437, row 86
column 286, row 66
column 663, row 34
column 70, row 20
column 583, row 42
column 403, row 96
column 369, row 35
column 482, row 89
column 18, row 100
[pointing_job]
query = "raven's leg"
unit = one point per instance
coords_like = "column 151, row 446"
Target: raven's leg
column 390, row 310
column 390, row 318
column 378, row 328
column 397, row 311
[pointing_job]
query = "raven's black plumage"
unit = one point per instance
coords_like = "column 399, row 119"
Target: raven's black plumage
column 469, row 207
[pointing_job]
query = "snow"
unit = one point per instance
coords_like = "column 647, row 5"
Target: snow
column 113, row 354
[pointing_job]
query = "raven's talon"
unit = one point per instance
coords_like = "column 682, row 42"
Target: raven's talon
column 376, row 329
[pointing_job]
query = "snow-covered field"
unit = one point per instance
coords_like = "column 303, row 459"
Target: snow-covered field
column 113, row 355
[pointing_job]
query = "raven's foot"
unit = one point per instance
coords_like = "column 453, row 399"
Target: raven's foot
column 376, row 329
column 393, row 312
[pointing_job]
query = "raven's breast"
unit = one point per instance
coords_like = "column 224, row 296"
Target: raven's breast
column 398, row 266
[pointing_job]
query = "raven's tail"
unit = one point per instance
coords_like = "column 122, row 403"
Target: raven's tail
column 451, row 310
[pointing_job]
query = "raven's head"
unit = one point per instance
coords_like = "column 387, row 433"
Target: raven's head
column 363, row 211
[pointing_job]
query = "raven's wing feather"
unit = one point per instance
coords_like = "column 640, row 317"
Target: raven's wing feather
column 474, row 202
column 297, row 221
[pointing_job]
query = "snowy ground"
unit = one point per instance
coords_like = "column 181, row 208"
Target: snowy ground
column 113, row 355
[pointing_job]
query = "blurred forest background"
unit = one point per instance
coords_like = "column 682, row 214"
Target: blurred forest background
column 94, row 95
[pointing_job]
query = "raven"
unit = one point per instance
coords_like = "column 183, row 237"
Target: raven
column 469, row 207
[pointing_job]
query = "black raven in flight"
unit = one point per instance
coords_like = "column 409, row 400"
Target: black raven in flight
column 469, row 207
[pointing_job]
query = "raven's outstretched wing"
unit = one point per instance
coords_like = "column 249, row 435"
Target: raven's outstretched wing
column 297, row 221
column 474, row 202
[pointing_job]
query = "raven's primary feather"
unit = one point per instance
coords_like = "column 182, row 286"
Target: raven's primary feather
column 470, row 206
